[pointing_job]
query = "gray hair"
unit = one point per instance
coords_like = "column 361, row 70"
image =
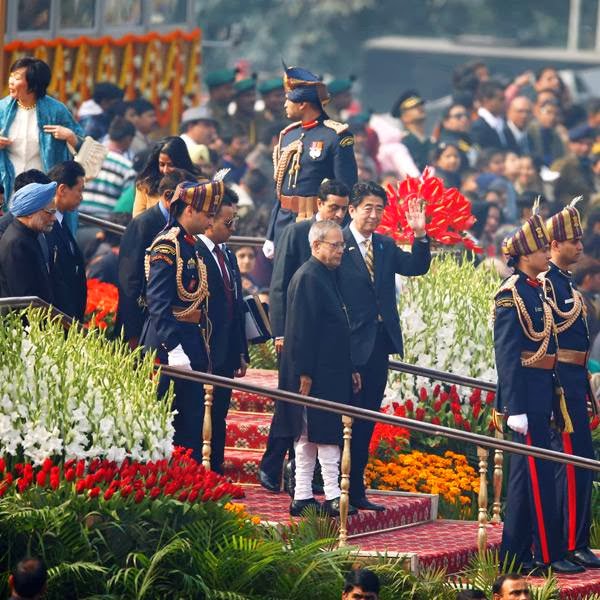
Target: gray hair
column 319, row 229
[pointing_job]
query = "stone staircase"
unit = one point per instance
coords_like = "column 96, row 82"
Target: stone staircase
column 409, row 527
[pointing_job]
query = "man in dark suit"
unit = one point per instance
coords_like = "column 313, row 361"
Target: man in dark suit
column 316, row 361
column 489, row 129
column 138, row 236
column 24, row 270
column 367, row 282
column 67, row 267
column 518, row 117
column 292, row 252
column 227, row 342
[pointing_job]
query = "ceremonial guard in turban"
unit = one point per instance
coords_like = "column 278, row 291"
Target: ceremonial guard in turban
column 176, row 296
column 309, row 150
column 24, row 261
column 575, row 484
column 525, row 347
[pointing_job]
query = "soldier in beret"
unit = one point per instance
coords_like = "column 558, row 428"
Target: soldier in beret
column 244, row 120
column 176, row 297
column 575, row 484
column 311, row 149
column 525, row 348
column 221, row 93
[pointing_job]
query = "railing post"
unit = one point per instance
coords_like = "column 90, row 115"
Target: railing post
column 482, row 454
column 498, row 465
column 345, row 481
column 207, row 425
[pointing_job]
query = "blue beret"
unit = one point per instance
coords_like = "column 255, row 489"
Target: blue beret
column 581, row 132
column 31, row 198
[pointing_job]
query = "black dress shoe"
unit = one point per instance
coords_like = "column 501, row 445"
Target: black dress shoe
column 297, row 507
column 332, row 508
column 584, row 557
column 566, row 567
column 365, row 504
column 269, row 484
column 289, row 477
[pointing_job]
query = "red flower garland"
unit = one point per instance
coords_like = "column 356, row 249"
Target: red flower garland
column 447, row 211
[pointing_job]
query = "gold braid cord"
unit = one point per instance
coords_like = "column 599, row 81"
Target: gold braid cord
column 570, row 316
column 197, row 296
column 283, row 162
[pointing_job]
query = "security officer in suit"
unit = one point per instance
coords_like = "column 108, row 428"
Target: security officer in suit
column 140, row 232
column 176, row 295
column 575, row 484
column 293, row 251
column 226, row 310
column 309, row 150
column 367, row 283
column 525, row 348
column 67, row 267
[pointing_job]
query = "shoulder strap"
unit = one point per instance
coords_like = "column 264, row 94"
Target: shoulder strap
column 338, row 127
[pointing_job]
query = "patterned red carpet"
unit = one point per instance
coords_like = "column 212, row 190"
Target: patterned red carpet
column 408, row 526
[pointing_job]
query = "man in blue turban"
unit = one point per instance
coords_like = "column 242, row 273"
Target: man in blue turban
column 24, row 269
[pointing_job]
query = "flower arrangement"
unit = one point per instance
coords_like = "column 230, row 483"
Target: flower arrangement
column 101, row 306
column 447, row 211
column 446, row 319
column 76, row 395
column 179, row 477
column 449, row 475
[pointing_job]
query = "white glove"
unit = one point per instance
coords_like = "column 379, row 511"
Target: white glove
column 269, row 249
column 518, row 423
column 178, row 358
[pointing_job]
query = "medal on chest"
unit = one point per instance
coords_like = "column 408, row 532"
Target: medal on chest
column 316, row 149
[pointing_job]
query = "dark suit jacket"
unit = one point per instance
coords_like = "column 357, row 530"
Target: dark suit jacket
column 23, row 270
column 547, row 155
column 486, row 136
column 228, row 337
column 138, row 236
column 366, row 300
column 67, row 271
column 291, row 253
column 523, row 147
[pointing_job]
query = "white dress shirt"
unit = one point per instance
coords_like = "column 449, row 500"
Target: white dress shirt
column 360, row 239
column 24, row 151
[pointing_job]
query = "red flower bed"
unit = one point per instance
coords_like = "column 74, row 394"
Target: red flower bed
column 102, row 302
column 181, row 478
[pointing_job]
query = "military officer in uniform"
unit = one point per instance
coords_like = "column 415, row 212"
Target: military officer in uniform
column 273, row 96
column 525, row 348
column 176, row 297
column 221, row 93
column 574, row 484
column 309, row 150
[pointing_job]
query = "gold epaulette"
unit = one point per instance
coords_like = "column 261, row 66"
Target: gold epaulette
column 338, row 127
column 159, row 244
column 508, row 284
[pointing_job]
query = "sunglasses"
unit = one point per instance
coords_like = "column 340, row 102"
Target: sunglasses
column 231, row 222
column 460, row 115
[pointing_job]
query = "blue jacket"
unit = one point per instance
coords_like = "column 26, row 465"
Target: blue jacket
column 52, row 151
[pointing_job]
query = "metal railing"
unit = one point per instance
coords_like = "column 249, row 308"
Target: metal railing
column 234, row 240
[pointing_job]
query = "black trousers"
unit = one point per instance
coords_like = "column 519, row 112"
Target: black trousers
column 531, row 515
column 274, row 456
column 189, row 404
column 373, row 379
column 574, row 485
column 220, row 408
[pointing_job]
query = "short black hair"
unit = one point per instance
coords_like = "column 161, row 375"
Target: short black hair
column 30, row 176
column 29, row 577
column 439, row 148
column 255, row 180
column 230, row 197
column 172, row 179
column 542, row 70
column 366, row 188
column 471, row 595
column 141, row 105
column 66, row 173
column 120, row 129
column 488, row 89
column 586, row 266
column 104, row 90
column 497, row 586
column 362, row 578
column 332, row 187
column 37, row 74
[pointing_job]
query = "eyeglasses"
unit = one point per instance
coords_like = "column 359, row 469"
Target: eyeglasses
column 460, row 115
column 231, row 222
column 49, row 211
column 335, row 245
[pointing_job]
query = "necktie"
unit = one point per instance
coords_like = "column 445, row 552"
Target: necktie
column 369, row 259
column 226, row 280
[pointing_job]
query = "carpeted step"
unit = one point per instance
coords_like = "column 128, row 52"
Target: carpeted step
column 574, row 587
column 402, row 509
column 249, row 402
column 440, row 544
column 247, row 430
column 241, row 465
